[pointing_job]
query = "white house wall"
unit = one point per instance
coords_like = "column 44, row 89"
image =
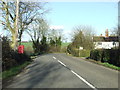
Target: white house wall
column 105, row 45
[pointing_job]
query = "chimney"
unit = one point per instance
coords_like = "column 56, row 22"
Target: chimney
column 106, row 33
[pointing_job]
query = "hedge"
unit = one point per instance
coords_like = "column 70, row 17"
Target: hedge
column 78, row 53
column 84, row 53
column 74, row 52
column 106, row 55
column 11, row 58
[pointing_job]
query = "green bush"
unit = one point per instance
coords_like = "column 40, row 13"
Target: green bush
column 114, row 57
column 11, row 58
column 84, row 53
column 7, row 61
column 76, row 52
column 20, row 58
column 96, row 55
column 69, row 48
column 106, row 55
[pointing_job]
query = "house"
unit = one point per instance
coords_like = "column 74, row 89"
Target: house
column 105, row 42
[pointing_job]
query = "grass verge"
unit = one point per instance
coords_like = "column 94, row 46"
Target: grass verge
column 110, row 66
column 104, row 64
column 14, row 70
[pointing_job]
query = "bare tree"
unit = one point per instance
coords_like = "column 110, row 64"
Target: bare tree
column 114, row 31
column 37, row 30
column 9, row 21
column 55, row 39
column 16, row 24
column 28, row 11
column 55, row 33
column 83, row 37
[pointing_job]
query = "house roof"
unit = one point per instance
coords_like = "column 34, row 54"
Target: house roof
column 105, row 39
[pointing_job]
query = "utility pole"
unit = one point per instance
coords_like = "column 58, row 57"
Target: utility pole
column 16, row 24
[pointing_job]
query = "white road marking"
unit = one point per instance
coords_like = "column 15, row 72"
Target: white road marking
column 61, row 63
column 84, row 80
column 18, row 75
column 54, row 57
column 78, row 76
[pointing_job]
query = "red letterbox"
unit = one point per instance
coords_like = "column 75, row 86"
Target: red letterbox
column 21, row 49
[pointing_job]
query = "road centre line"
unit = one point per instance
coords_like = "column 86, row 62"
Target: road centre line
column 84, row 80
column 94, row 88
column 61, row 63
column 54, row 57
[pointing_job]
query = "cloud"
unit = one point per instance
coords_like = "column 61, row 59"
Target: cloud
column 56, row 27
column 67, row 32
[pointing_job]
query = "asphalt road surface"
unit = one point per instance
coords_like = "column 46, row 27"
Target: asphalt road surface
column 62, row 71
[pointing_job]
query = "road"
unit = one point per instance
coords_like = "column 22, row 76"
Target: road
column 62, row 71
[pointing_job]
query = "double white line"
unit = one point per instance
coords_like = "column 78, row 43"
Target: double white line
column 85, row 81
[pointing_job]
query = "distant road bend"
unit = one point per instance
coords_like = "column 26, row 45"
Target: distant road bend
column 62, row 71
